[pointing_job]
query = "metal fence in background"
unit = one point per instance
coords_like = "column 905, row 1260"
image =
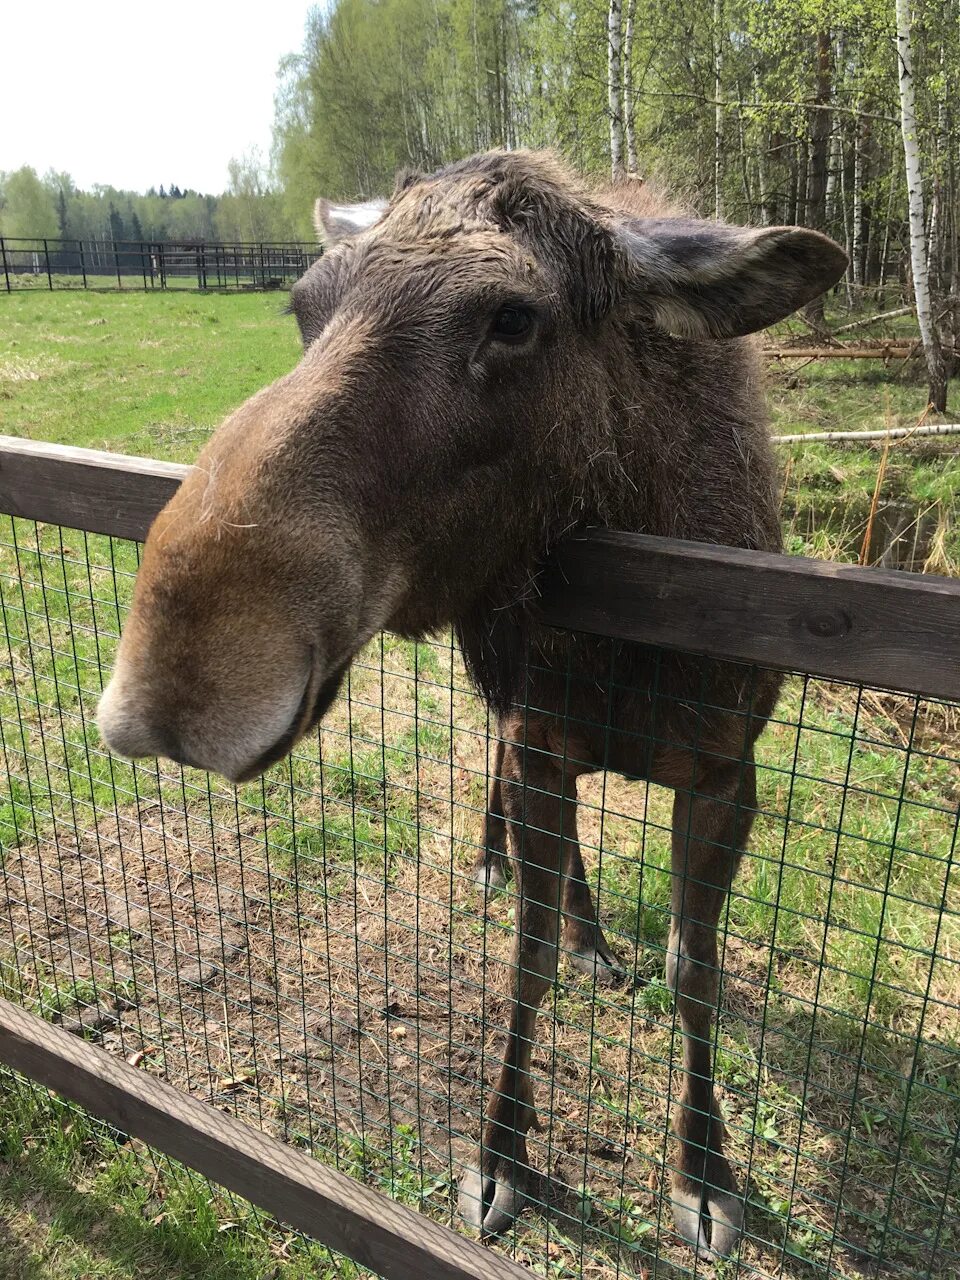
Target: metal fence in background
column 310, row 953
column 109, row 265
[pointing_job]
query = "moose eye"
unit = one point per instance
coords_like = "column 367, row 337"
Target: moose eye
column 510, row 324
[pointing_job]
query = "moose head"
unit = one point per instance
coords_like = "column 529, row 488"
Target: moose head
column 467, row 352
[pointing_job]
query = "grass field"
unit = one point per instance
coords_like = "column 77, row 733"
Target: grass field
column 138, row 373
column 333, row 901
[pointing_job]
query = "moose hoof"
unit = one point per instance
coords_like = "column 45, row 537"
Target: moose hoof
column 488, row 874
column 490, row 1202
column 708, row 1219
column 598, row 963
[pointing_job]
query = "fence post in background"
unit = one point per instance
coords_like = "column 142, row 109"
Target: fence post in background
column 163, row 267
column 46, row 258
column 83, row 263
column 143, row 264
column 6, row 267
column 116, row 263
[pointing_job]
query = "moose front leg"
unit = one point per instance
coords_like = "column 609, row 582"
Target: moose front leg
column 584, row 944
column 540, row 807
column 490, row 871
column 710, row 830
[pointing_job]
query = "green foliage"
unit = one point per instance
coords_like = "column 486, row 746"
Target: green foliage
column 52, row 206
column 380, row 84
column 27, row 207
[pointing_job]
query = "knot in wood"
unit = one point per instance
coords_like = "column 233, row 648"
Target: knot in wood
column 829, row 625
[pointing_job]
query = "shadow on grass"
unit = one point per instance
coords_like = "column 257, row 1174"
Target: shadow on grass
column 126, row 1238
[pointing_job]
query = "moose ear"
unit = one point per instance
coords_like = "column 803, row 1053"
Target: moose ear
column 334, row 222
column 701, row 279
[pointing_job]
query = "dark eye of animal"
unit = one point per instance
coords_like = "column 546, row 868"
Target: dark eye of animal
column 510, row 324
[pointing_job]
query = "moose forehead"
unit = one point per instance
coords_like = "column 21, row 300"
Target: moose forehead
column 437, row 236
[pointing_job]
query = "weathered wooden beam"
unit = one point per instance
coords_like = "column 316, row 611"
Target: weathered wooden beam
column 84, row 488
column 874, row 626
column 389, row 1238
column 898, row 630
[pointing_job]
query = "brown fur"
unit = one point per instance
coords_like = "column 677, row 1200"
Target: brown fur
column 414, row 471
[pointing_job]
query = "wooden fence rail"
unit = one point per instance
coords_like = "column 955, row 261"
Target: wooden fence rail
column 875, row 626
column 390, row 1239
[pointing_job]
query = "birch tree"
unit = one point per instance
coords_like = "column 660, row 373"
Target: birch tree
column 919, row 250
column 628, row 105
column 614, row 36
column 718, row 107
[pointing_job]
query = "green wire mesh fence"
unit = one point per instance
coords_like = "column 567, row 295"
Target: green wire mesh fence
column 312, row 951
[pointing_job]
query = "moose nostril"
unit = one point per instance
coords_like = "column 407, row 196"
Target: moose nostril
column 172, row 748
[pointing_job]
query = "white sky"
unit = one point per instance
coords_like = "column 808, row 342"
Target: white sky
column 139, row 94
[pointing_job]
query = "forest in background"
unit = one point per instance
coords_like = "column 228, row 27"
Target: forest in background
column 251, row 209
column 764, row 111
column 760, row 111
column 836, row 114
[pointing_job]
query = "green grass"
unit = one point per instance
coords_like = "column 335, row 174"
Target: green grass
column 145, row 373
column 79, row 1202
column 827, row 490
column 834, row 913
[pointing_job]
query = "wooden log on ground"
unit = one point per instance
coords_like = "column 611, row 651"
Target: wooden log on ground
column 882, row 351
column 877, row 319
column 854, row 437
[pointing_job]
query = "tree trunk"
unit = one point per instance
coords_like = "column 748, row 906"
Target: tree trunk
column 628, row 103
column 765, row 212
column 803, row 175
column 793, row 196
column 937, row 213
column 744, row 166
column 833, row 175
column 918, row 242
column 718, row 109
column 816, row 213
column 614, row 19
column 847, row 234
column 857, row 217
column 894, row 174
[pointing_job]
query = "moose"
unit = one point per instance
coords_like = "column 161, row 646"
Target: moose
column 495, row 356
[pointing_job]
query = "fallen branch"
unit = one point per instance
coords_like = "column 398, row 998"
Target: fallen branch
column 892, row 433
column 881, row 351
column 884, row 315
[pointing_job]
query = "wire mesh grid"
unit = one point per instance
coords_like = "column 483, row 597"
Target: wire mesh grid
column 313, row 952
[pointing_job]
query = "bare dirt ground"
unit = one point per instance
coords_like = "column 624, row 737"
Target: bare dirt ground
column 341, row 1006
